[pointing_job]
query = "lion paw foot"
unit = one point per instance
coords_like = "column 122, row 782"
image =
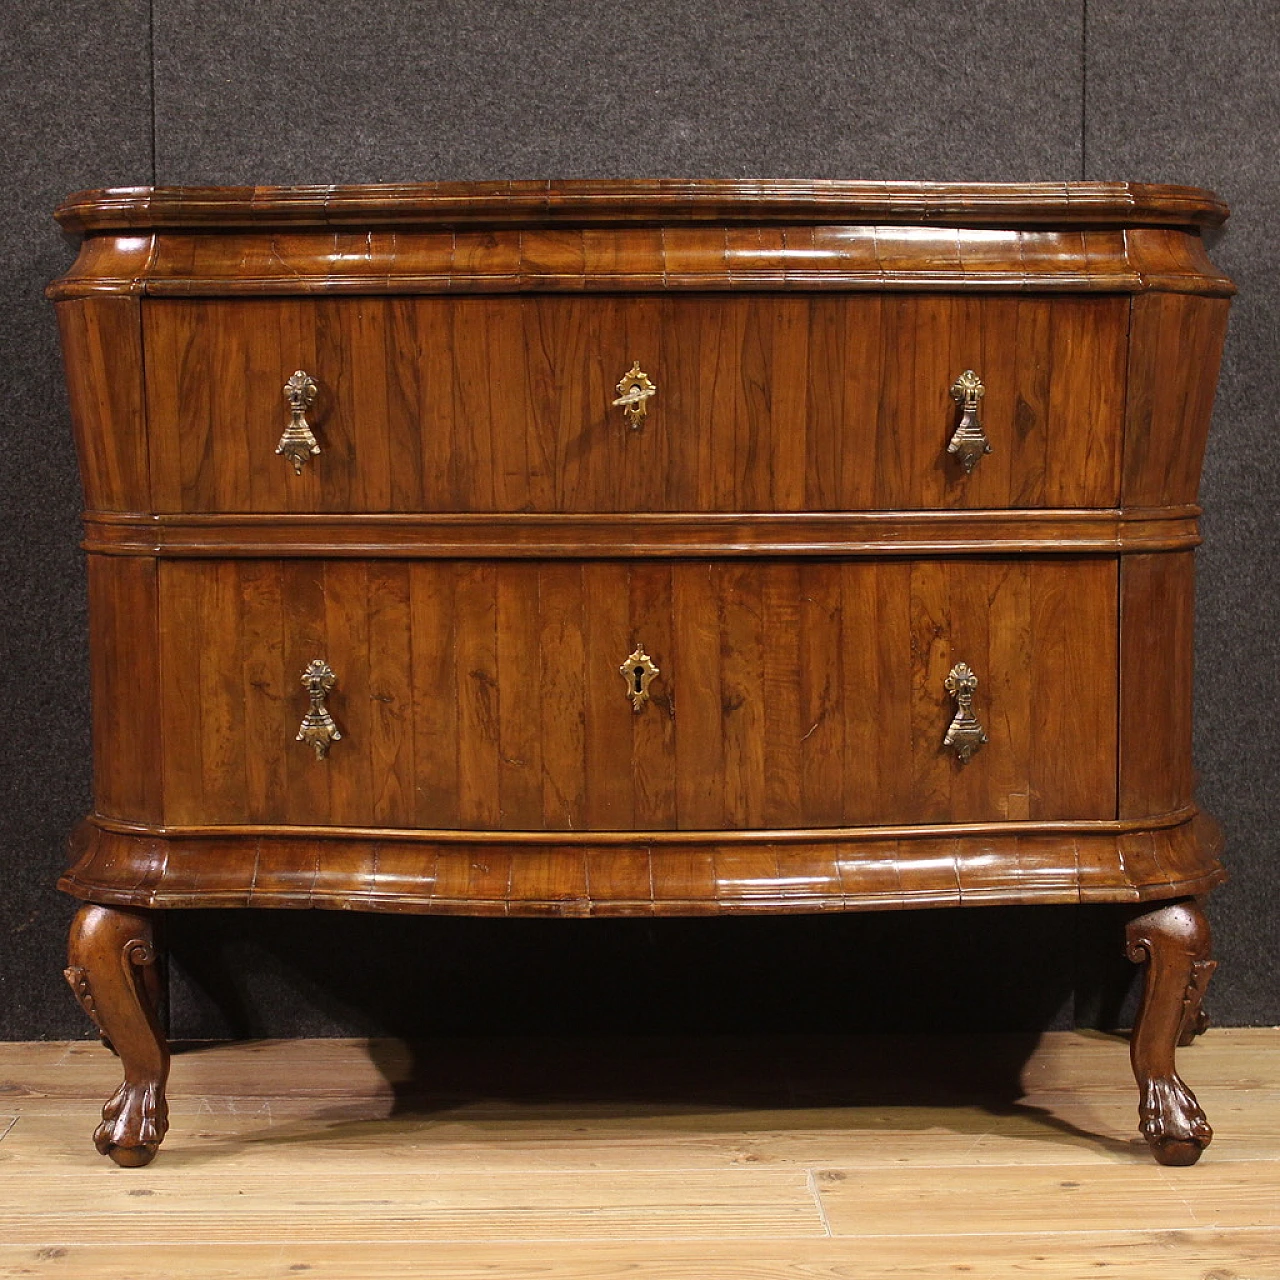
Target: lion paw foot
column 1172, row 1122
column 134, row 1123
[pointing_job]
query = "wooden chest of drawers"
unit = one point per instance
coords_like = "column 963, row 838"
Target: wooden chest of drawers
column 641, row 548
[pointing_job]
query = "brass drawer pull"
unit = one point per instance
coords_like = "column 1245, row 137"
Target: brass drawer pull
column 639, row 672
column 298, row 444
column 634, row 393
column 965, row 734
column 968, row 443
column 317, row 729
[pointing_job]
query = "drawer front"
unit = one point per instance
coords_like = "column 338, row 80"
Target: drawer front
column 489, row 695
column 766, row 402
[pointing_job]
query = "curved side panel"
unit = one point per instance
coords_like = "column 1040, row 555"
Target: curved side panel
column 102, row 354
column 1167, row 259
column 1157, row 625
column 124, row 662
column 106, row 264
column 1175, row 349
column 865, row 872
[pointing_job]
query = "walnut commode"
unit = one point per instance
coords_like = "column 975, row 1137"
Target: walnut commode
column 641, row 548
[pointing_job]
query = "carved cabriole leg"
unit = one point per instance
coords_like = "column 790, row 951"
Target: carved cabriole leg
column 111, row 957
column 1175, row 943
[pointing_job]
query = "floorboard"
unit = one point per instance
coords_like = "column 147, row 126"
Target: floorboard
column 786, row 1158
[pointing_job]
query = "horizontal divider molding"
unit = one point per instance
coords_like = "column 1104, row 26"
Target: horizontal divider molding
column 506, row 536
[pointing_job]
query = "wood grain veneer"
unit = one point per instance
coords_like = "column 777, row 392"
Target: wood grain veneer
column 482, row 539
column 785, row 699
column 767, row 404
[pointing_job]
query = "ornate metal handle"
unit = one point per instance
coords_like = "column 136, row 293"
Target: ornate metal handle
column 969, row 443
column 317, row 729
column 634, row 393
column 298, row 444
column 639, row 672
column 965, row 734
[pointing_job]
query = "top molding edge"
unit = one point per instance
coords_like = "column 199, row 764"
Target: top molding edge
column 652, row 201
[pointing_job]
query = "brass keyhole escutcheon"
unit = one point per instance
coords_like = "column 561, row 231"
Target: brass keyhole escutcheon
column 639, row 673
column 635, row 390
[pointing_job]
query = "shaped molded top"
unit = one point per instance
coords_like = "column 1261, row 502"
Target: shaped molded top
column 640, row 201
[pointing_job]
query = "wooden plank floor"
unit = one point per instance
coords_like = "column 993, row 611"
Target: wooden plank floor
column 750, row 1159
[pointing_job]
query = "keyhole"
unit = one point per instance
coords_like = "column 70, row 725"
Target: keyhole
column 639, row 676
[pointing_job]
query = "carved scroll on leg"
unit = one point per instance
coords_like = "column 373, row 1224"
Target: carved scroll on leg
column 1174, row 942
column 1195, row 1022
column 112, row 971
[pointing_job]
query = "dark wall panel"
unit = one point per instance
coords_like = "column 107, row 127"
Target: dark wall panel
column 1184, row 92
column 75, row 111
column 328, row 91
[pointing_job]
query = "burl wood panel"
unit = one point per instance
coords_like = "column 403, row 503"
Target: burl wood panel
column 487, row 695
column 764, row 403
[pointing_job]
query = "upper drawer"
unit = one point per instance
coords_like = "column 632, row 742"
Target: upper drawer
column 766, row 402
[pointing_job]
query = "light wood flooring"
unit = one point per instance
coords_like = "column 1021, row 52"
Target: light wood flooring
column 750, row 1159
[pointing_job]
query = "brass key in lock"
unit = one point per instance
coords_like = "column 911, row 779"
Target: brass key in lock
column 635, row 390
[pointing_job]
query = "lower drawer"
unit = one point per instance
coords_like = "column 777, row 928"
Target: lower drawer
column 501, row 695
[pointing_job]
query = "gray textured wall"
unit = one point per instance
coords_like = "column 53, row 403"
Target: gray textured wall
column 201, row 91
